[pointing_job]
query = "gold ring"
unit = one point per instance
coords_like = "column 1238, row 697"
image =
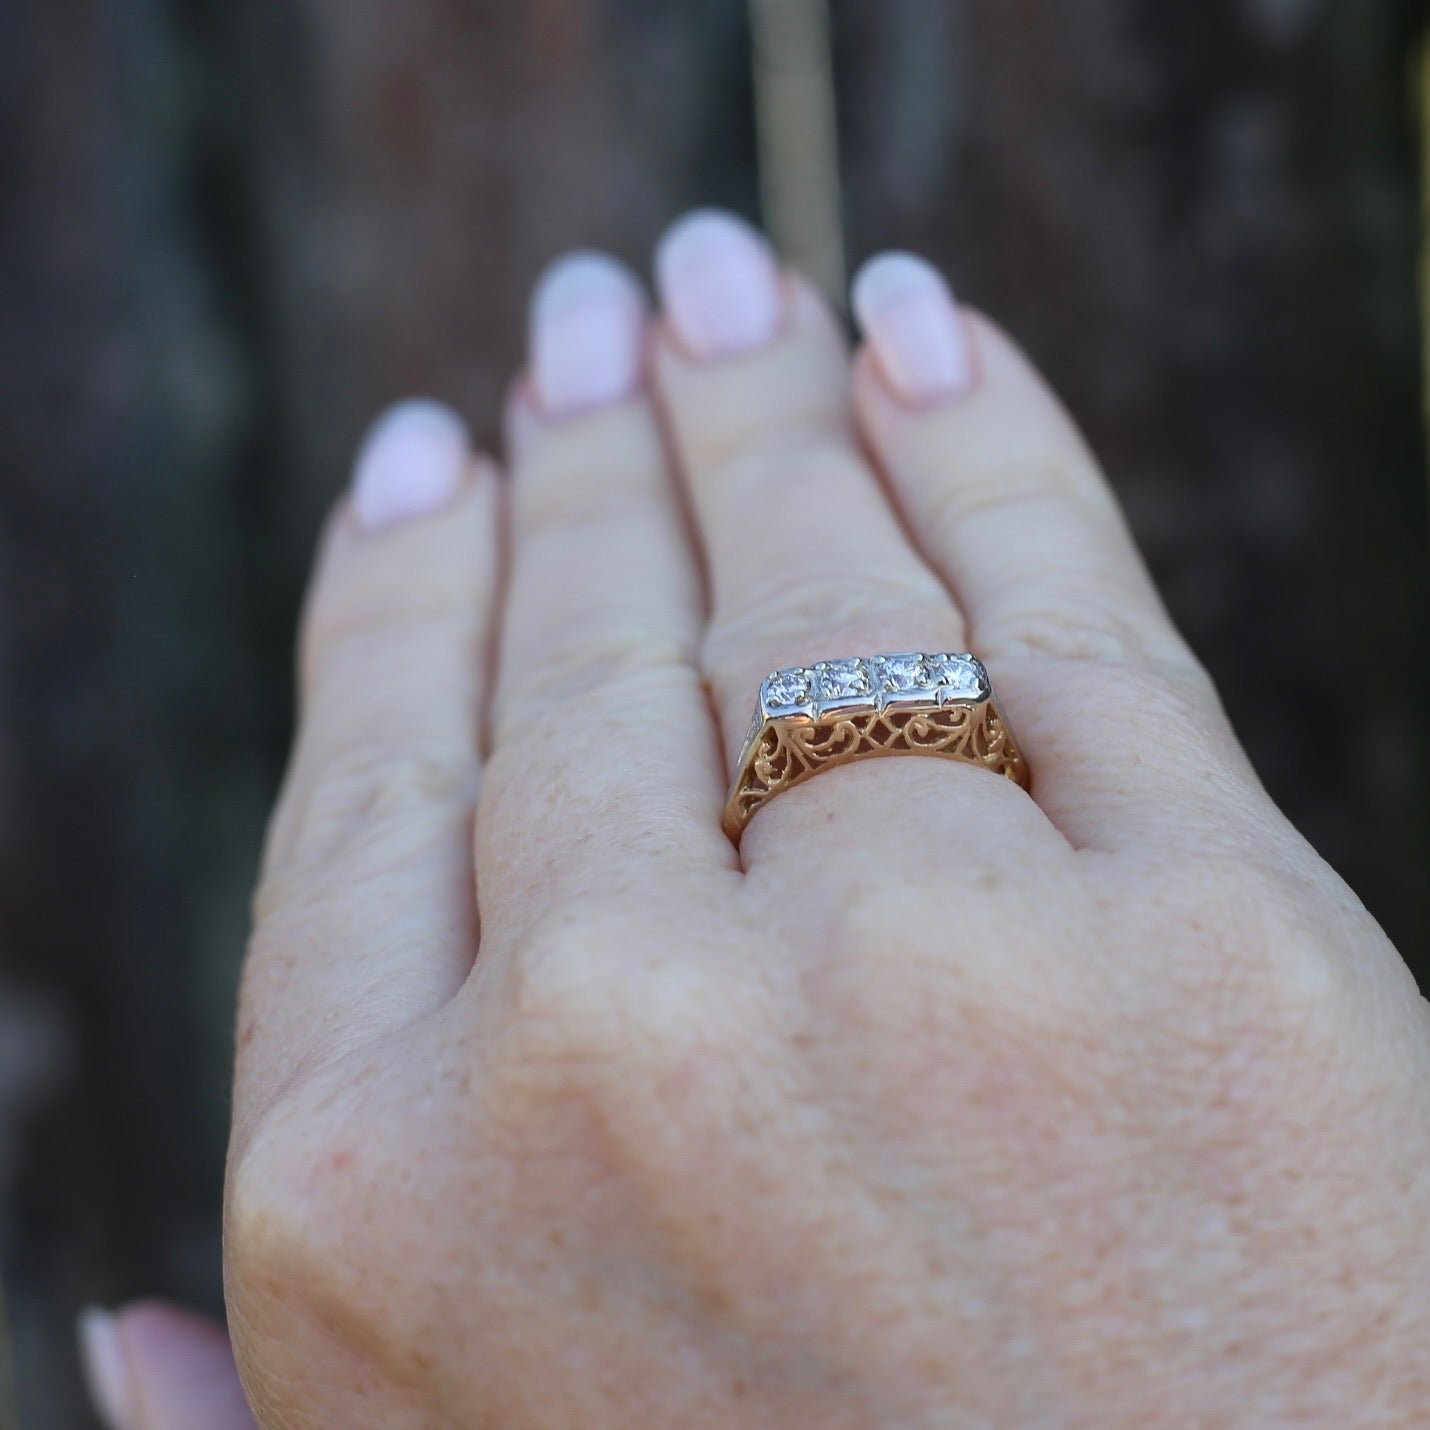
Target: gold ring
column 811, row 718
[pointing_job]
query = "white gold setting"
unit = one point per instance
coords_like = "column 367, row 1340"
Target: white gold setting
column 872, row 683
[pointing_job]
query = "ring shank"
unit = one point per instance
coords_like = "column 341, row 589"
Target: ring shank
column 852, row 710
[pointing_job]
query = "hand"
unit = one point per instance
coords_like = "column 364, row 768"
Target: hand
column 937, row 1104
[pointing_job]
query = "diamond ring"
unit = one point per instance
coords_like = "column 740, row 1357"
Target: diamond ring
column 811, row 718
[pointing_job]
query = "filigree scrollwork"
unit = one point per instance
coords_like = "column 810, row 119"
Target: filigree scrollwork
column 783, row 752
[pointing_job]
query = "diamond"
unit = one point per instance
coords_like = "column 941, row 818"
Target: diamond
column 786, row 688
column 841, row 679
column 901, row 674
column 959, row 674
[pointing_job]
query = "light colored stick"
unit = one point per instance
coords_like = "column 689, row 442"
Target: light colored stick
column 798, row 138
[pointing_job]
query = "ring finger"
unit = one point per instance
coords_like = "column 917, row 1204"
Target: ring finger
column 807, row 559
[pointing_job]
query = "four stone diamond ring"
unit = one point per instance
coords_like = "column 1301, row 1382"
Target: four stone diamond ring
column 811, row 718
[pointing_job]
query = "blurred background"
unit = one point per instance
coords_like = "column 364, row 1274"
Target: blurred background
column 230, row 231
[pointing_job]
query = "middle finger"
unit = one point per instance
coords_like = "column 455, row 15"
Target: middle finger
column 603, row 768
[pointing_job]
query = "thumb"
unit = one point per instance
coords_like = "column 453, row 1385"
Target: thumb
column 149, row 1366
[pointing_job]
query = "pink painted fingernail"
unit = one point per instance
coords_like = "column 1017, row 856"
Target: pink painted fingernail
column 412, row 462
column 719, row 283
column 913, row 327
column 587, row 334
column 106, row 1372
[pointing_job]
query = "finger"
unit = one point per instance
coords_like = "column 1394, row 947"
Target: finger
column 366, row 908
column 807, row 559
column 155, row 1367
column 1111, row 708
column 604, row 761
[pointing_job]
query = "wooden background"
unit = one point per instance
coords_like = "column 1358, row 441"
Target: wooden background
column 229, row 231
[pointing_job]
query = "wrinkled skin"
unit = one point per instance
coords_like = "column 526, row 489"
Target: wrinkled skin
column 937, row 1104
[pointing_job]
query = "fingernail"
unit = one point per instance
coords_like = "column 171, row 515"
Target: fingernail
column 913, row 327
column 411, row 463
column 106, row 1373
column 587, row 334
column 719, row 284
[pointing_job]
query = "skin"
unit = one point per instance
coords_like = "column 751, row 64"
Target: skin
column 937, row 1103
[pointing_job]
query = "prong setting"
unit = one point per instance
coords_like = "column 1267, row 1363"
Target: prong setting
column 787, row 692
column 834, row 711
column 872, row 683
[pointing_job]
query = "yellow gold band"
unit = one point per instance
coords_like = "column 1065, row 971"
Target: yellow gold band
column 812, row 718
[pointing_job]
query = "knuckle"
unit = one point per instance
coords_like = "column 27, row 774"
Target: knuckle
column 613, row 664
column 356, row 617
column 320, row 1186
column 608, row 468
column 1069, row 618
column 979, row 1002
column 563, row 996
column 1247, row 981
column 1272, row 926
column 1055, row 632
column 1077, row 604
column 349, row 797
column 1217, row 987
column 588, row 505
column 594, row 1013
column 290, row 1200
column 747, row 454
column 1031, row 479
